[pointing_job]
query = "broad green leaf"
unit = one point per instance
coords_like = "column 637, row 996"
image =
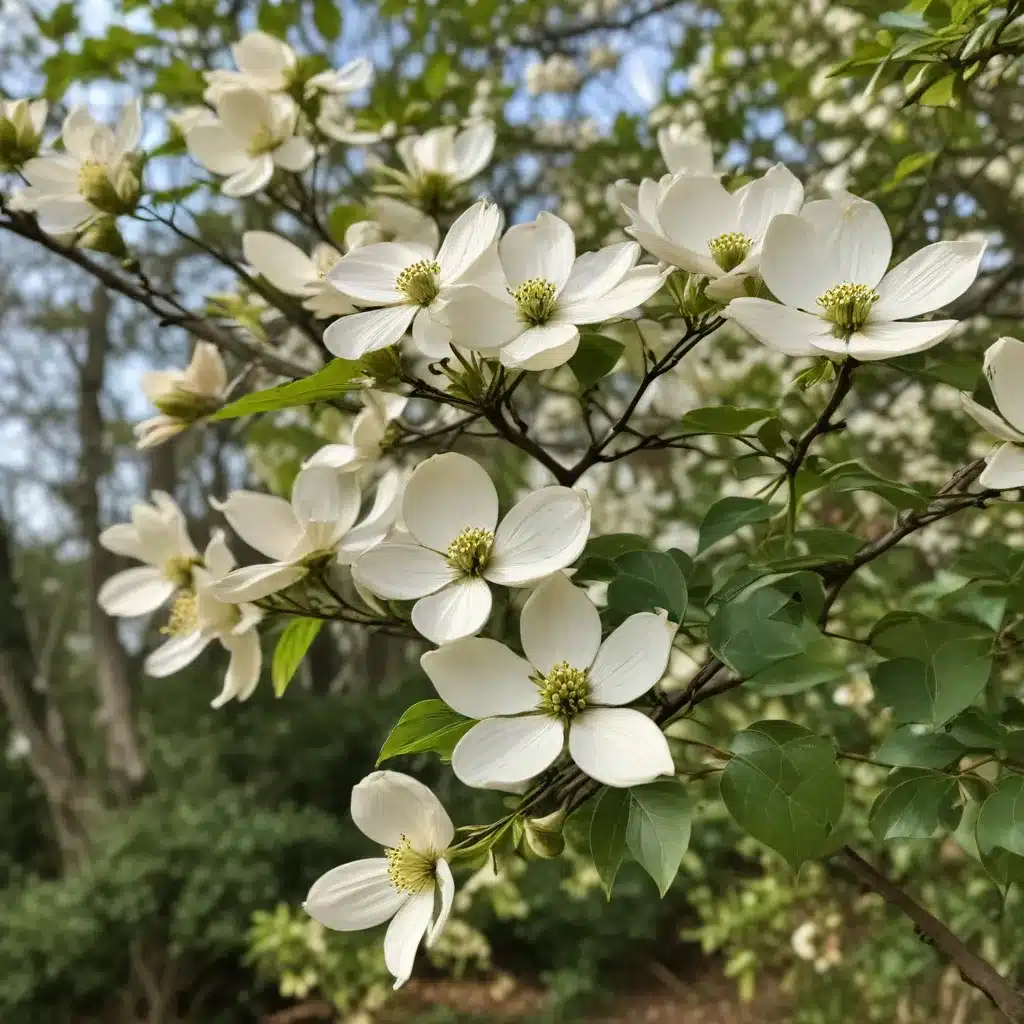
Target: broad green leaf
column 784, row 788
column 629, row 595
column 960, row 370
column 908, row 165
column 608, row 829
column 814, row 667
column 336, row 378
column 659, row 829
column 940, row 94
column 908, row 747
column 852, row 476
column 999, row 833
column 435, row 77
column 914, row 805
column 595, row 358
column 429, row 725
column 728, row 515
column 723, row 419
column 327, row 18
column 612, row 545
column 595, row 569
column 291, row 648
column 977, row 730
column 662, row 572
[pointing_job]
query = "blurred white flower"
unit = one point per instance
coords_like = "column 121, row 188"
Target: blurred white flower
column 1004, row 368
column 685, row 152
column 393, row 221
column 21, row 130
column 368, row 436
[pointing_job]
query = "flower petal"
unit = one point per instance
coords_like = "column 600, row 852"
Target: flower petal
column 1005, row 468
column 777, row 191
column 353, row 336
column 619, row 747
column 545, row 249
column 264, row 522
column 991, row 421
column 460, row 609
column 472, row 233
column 374, row 526
column 255, row 581
column 481, row 678
column 695, row 209
column 135, row 591
column 888, row 340
column 1004, row 370
column 387, row 806
column 405, row 933
column 930, row 279
column 369, row 274
column 281, row 262
column 296, row 154
column 633, row 290
column 217, row 150
column 446, row 892
column 596, row 273
column 559, row 623
column 250, row 178
column 780, row 327
column 175, row 654
column 683, row 153
column 860, row 244
column 321, row 494
column 123, row 539
column 431, row 336
column 447, row 494
column 541, row 348
column 479, row 319
column 244, row 667
column 471, row 150
column 793, row 262
column 501, row 752
column 402, row 571
column 543, row 533
column 264, row 57
column 354, row 896
column 632, row 659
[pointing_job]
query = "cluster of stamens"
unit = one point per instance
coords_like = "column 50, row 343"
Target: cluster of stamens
column 564, row 691
column 470, row 551
column 178, row 569
column 536, row 301
column 848, row 305
column 182, row 619
column 264, row 141
column 409, row 870
column 729, row 250
column 420, row 282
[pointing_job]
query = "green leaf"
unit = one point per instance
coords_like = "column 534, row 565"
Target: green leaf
column 960, row 370
column 429, row 725
column 608, row 834
column 852, row 476
column 291, row 649
column 591, row 569
column 327, row 18
column 977, row 730
column 908, row 165
column 728, row 515
column 909, row 748
column 658, row 832
column 662, row 572
column 999, row 832
column 915, row 805
column 435, row 77
column 783, row 787
column 612, row 545
column 940, row 94
column 595, row 358
column 723, row 419
column 814, row 667
column 343, row 216
column 336, row 378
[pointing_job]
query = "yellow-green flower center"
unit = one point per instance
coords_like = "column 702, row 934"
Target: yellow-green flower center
column 470, row 551
column 409, row 870
column 848, row 306
column 264, row 141
column 536, row 301
column 564, row 691
column 182, row 619
column 110, row 190
column 178, row 569
column 729, row 250
column 420, row 282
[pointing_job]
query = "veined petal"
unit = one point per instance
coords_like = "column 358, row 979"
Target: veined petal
column 638, row 285
column 780, row 327
column 471, row 150
column 295, row 154
column 447, row 494
column 128, row 130
column 794, row 264
column 481, row 678
column 1004, row 370
column 402, row 571
column 930, row 279
column 991, row 421
column 1005, row 468
column 251, row 178
column 389, row 806
column 369, row 274
column 54, row 174
column 374, row 526
column 135, row 592
column 472, row 233
column 173, row 655
column 559, row 623
column 217, row 557
column 888, row 340
column 123, row 539
column 777, row 191
column 479, row 319
column 62, row 216
column 544, row 249
column 216, row 149
column 253, row 582
column 501, row 752
column 457, row 610
column 431, row 336
column 619, row 747
column 281, row 262
column 338, row 456
column 543, row 533
column 245, row 112
column 244, row 667
column 632, row 659
column 695, row 209
column 321, row 494
column 265, row 58
column 683, row 153
column 541, row 348
column 405, row 933
column 354, row 896
column 662, row 248
column 264, row 522
column 77, row 131
column 446, row 894
column 353, row 336
column 596, row 273
column 860, row 244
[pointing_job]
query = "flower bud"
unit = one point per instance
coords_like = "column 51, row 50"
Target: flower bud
column 101, row 235
column 383, row 366
column 544, row 837
column 21, row 131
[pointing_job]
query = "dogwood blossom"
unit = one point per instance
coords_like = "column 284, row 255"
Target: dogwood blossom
column 693, row 222
column 368, row 435
column 158, row 537
column 291, row 271
column 312, row 533
column 21, row 130
column 96, row 176
column 570, row 686
column 199, row 617
column 527, row 313
column 684, row 152
column 827, row 267
column 254, row 133
column 393, row 221
column 411, row 886
column 1004, row 368
column 455, row 545
column 409, row 284
column 182, row 396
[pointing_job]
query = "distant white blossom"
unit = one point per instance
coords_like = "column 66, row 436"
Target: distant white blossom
column 1004, row 368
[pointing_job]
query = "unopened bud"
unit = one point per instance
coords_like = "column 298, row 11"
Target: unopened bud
column 21, row 124
column 114, row 191
column 693, row 299
column 101, row 235
column 383, row 366
column 544, row 837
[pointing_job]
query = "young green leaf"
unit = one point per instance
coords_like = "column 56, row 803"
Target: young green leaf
column 429, row 725
column 608, row 834
column 291, row 648
column 336, row 378
column 728, row 515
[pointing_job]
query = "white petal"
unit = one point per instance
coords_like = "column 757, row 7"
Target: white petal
column 431, row 336
column 694, row 210
column 481, row 678
column 265, row 58
column 473, row 232
column 263, row 521
column 123, row 539
column 780, row 327
column 888, row 340
column 682, row 153
column 246, row 112
column 541, row 348
column 479, row 319
column 294, row 155
column 991, row 421
column 559, row 623
column 206, row 372
column 353, row 336
column 405, row 933
column 217, row 557
column 53, row 174
column 281, row 262
column 135, row 591
column 354, row 896
column 216, row 149
column 670, row 252
column 632, row 659
column 1005, row 468
column 619, row 747
column 321, row 494
column 793, row 264
column 447, row 494
column 777, row 191
column 255, row 581
column 62, row 216
column 505, row 751
column 405, row 222
column 402, row 571
column 77, row 132
column 175, row 654
column 930, row 279
column 368, row 274
column 128, row 131
column 244, row 667
column 543, row 533
column 545, row 249
column 446, row 891
column 861, row 245
column 471, row 150
column 250, row 179
column 460, row 609
column 338, row 456
column 387, row 806
column 375, row 525
column 633, row 290
column 596, row 273
column 1004, row 370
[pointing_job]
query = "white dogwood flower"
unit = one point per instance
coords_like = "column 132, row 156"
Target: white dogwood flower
column 527, row 315
column 693, row 222
column 21, row 130
column 684, row 152
column 291, row 271
column 393, row 221
column 263, row 62
column 199, row 617
column 409, row 284
column 254, row 133
column 158, row 537
column 456, row 547
column 1004, row 368
column 182, row 396
column 96, row 176
column 312, row 533
column 368, row 436
column 570, row 684
column 827, row 267
column 411, row 886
